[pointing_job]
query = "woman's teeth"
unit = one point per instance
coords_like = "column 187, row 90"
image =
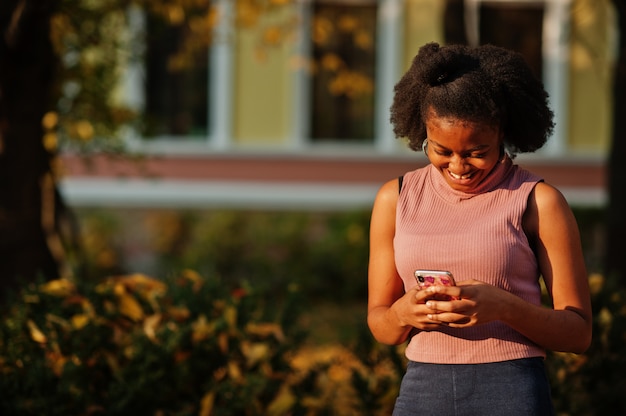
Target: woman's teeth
column 455, row 176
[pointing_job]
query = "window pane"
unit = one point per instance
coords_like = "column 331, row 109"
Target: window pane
column 514, row 26
column 176, row 86
column 343, row 83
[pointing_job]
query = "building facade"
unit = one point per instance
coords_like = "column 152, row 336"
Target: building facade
column 293, row 112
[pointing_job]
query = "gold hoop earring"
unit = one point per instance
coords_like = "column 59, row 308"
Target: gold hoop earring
column 425, row 147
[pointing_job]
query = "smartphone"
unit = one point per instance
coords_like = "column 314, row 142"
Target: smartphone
column 426, row 278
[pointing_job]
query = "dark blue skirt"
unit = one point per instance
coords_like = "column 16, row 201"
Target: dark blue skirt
column 508, row 388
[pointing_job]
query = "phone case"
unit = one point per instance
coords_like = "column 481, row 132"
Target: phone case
column 426, row 278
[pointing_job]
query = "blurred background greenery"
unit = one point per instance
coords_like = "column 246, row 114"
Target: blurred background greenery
column 241, row 313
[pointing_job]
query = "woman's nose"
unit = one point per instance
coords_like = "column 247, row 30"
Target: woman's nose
column 457, row 162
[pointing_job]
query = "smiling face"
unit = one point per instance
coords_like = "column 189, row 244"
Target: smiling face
column 464, row 152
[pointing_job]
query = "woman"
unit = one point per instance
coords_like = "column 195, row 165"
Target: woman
column 496, row 227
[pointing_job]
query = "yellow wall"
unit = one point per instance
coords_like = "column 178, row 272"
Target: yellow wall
column 263, row 102
column 591, row 76
column 423, row 24
column 263, row 84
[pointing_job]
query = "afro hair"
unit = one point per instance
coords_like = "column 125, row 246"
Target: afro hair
column 485, row 84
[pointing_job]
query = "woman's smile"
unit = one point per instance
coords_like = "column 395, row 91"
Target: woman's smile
column 464, row 152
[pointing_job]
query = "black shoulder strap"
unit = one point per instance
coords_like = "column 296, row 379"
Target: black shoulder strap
column 400, row 179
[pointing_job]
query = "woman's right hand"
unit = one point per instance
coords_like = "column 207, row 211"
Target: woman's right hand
column 411, row 310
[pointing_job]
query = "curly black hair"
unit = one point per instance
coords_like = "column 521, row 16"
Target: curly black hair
column 484, row 84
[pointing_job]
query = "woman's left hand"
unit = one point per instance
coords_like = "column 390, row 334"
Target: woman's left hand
column 476, row 303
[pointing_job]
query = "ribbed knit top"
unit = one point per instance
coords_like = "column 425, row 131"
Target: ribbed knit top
column 476, row 235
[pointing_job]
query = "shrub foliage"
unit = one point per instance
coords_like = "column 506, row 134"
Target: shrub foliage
column 184, row 346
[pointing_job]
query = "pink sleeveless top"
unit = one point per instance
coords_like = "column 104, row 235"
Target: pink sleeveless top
column 474, row 235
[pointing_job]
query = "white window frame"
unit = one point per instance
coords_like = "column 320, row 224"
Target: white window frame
column 220, row 85
column 388, row 57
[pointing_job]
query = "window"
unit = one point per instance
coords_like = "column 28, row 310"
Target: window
column 342, row 85
column 176, row 83
column 538, row 30
column 517, row 19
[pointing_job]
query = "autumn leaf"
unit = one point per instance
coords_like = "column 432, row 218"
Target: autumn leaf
column 255, row 352
column 79, row 321
column 201, row 329
column 230, row 315
column 35, row 333
column 146, row 287
column 206, row 404
column 282, row 403
column 265, row 330
column 58, row 287
column 234, row 372
column 129, row 307
column 150, row 324
column 194, row 277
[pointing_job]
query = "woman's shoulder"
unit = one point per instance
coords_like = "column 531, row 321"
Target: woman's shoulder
column 389, row 190
column 546, row 196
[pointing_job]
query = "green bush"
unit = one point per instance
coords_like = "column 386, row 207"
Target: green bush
column 135, row 345
column 593, row 383
column 194, row 346
column 183, row 346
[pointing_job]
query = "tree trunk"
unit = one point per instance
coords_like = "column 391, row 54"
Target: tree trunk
column 27, row 64
column 616, row 210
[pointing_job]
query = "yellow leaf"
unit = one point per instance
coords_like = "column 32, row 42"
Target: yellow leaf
column 59, row 287
column 265, row 330
column 234, row 371
column 129, row 307
column 142, row 283
column 230, row 315
column 206, row 404
column 119, row 289
column 150, row 324
column 282, row 403
column 254, row 352
column 35, row 333
column 201, row 329
column 192, row 275
column 194, row 278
